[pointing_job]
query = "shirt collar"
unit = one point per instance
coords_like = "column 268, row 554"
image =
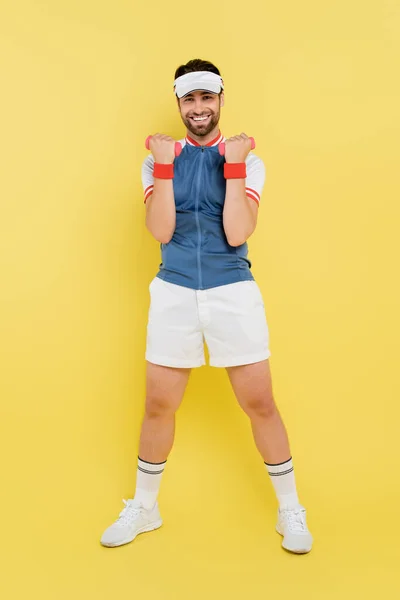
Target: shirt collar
column 220, row 138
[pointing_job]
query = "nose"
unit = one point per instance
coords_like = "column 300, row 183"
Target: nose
column 198, row 105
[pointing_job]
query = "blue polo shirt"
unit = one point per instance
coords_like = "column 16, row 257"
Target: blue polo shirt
column 199, row 256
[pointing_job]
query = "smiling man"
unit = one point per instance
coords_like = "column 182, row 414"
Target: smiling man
column 202, row 207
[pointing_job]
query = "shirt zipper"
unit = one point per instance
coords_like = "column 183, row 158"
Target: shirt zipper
column 198, row 221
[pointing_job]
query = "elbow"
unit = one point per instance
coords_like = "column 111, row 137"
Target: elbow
column 235, row 243
column 166, row 236
column 161, row 237
column 164, row 239
column 239, row 241
column 236, row 238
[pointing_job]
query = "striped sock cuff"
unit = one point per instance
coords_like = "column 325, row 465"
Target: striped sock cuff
column 281, row 468
column 151, row 468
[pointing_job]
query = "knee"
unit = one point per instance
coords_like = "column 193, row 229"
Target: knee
column 157, row 406
column 260, row 406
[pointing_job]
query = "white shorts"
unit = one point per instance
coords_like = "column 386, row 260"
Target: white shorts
column 230, row 318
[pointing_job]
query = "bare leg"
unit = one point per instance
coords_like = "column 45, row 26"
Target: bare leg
column 253, row 389
column 165, row 388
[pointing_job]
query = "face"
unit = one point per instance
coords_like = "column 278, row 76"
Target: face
column 197, row 105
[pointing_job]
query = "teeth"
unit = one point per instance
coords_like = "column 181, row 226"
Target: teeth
column 200, row 118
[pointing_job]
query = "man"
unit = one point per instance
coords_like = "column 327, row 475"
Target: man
column 202, row 207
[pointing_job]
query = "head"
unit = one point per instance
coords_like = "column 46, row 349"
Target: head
column 200, row 102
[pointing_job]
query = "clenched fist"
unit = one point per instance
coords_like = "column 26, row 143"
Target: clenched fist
column 237, row 148
column 163, row 148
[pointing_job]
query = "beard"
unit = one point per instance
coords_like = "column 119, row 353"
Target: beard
column 202, row 129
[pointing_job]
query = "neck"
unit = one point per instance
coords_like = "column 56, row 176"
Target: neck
column 204, row 139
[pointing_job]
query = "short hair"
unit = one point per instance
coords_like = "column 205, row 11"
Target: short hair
column 196, row 65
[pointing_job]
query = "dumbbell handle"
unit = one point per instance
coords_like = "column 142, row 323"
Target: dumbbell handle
column 178, row 147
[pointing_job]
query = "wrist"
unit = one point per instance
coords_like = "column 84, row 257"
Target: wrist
column 163, row 170
column 235, row 170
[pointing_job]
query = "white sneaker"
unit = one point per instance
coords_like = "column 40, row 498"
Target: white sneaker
column 132, row 520
column 292, row 525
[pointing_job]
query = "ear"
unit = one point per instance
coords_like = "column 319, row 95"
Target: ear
column 222, row 99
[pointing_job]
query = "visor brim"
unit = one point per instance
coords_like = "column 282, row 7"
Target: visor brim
column 189, row 89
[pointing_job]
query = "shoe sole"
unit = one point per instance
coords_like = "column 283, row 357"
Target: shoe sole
column 150, row 527
column 297, row 550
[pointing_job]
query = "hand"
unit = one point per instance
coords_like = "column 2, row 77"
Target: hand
column 163, row 148
column 237, row 148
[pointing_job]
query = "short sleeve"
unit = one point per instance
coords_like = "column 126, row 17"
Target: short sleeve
column 255, row 178
column 147, row 176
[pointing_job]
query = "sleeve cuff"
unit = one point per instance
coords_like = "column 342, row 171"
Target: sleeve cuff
column 253, row 195
column 147, row 192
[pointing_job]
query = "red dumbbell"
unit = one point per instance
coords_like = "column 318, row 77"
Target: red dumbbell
column 178, row 147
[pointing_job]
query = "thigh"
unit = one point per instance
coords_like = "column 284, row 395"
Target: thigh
column 174, row 336
column 237, row 331
column 165, row 388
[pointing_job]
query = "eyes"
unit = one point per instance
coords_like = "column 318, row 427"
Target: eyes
column 203, row 97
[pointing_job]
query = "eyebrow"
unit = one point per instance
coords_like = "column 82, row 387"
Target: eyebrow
column 203, row 93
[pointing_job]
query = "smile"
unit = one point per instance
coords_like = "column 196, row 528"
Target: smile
column 200, row 119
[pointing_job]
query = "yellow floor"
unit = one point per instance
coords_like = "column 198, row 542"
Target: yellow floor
column 218, row 539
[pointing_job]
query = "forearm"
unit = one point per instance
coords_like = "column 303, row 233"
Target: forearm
column 161, row 211
column 238, row 220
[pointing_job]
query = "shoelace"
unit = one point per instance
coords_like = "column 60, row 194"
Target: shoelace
column 296, row 519
column 128, row 513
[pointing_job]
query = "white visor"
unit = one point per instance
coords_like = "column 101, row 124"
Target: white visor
column 198, row 80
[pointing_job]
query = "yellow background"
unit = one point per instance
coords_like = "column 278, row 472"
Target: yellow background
column 82, row 84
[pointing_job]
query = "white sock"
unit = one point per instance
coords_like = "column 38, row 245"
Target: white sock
column 148, row 482
column 283, row 480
